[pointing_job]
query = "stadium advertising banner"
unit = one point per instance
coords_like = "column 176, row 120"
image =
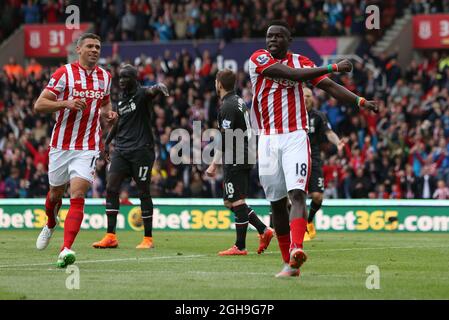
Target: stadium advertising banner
column 209, row 214
column 50, row 40
column 431, row 31
column 234, row 55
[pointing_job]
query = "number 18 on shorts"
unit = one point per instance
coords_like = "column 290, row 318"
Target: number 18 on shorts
column 284, row 163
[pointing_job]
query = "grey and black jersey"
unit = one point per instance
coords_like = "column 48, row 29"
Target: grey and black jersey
column 318, row 126
column 233, row 120
column 134, row 130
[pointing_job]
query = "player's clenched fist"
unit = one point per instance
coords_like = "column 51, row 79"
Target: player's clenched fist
column 111, row 116
column 75, row 104
column 372, row 106
column 344, row 66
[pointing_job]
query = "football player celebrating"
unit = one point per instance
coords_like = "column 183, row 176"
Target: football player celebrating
column 279, row 115
column 133, row 154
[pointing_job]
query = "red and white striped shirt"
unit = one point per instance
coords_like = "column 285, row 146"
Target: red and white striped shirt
column 79, row 130
column 278, row 104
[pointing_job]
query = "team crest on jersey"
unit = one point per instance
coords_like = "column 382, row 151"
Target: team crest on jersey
column 101, row 84
column 226, row 124
column 129, row 107
column 262, row 59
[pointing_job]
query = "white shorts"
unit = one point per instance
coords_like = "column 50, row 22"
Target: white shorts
column 284, row 163
column 67, row 164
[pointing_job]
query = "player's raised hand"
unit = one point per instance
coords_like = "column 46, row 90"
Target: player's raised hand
column 372, row 106
column 75, row 104
column 163, row 89
column 340, row 145
column 211, row 170
column 344, row 66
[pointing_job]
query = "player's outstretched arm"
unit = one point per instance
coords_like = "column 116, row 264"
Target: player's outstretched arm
column 345, row 96
column 279, row 70
column 47, row 103
column 156, row 89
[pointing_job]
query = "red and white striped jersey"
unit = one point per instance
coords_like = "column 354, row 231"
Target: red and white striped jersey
column 79, row 130
column 278, row 104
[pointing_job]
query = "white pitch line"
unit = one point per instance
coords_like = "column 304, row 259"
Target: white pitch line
column 203, row 255
column 374, row 248
column 107, row 260
column 355, row 249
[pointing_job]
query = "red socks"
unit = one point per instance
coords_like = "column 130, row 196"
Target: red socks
column 73, row 222
column 51, row 210
column 284, row 245
column 298, row 228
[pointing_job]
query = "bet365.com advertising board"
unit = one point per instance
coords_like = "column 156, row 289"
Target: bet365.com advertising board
column 210, row 214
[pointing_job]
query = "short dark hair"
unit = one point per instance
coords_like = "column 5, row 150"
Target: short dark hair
column 87, row 35
column 227, row 79
column 131, row 69
column 281, row 23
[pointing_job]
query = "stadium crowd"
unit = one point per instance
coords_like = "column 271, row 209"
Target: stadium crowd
column 402, row 152
column 119, row 20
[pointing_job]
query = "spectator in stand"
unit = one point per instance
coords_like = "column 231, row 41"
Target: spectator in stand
column 14, row 70
column 426, row 184
column 442, row 192
column 30, row 12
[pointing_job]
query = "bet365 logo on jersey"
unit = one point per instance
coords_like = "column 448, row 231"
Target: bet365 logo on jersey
column 88, row 94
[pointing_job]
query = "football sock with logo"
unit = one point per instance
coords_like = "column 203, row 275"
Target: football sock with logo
column 284, row 245
column 314, row 207
column 73, row 222
column 112, row 209
column 298, row 227
column 51, row 210
column 146, row 204
column 241, row 225
column 255, row 221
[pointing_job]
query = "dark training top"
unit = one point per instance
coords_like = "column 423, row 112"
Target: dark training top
column 134, row 122
column 234, row 115
column 318, row 126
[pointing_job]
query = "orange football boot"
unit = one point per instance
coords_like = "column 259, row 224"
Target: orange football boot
column 297, row 258
column 109, row 241
column 233, row 251
column 147, row 243
column 264, row 240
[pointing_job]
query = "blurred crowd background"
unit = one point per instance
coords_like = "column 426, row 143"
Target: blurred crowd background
column 402, row 152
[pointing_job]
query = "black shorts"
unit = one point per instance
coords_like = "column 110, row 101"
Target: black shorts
column 236, row 184
column 316, row 182
column 134, row 163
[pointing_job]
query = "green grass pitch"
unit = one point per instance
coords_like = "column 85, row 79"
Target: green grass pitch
column 185, row 265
